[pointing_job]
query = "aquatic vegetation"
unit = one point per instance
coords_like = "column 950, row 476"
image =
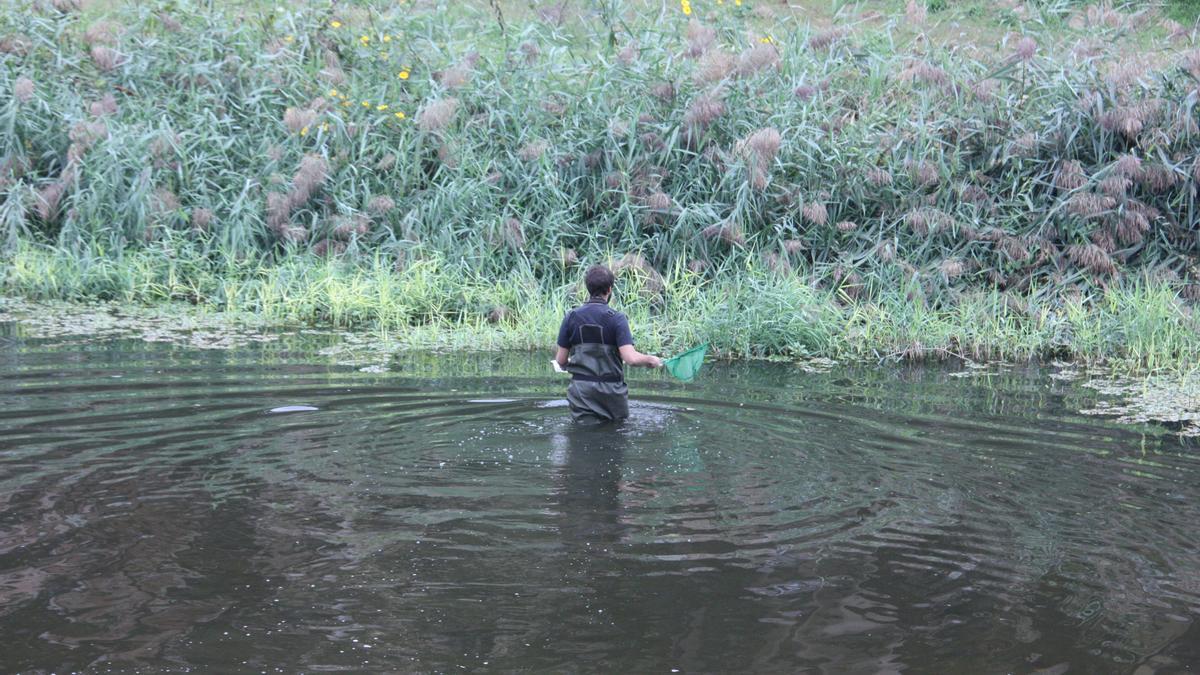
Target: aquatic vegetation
column 1174, row 401
column 428, row 302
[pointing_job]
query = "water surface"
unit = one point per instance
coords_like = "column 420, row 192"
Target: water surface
column 163, row 508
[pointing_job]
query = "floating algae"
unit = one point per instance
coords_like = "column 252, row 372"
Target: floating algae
column 114, row 320
column 1174, row 401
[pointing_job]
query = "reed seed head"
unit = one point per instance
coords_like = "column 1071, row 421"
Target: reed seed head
column 48, row 200
column 659, row 201
column 23, row 89
column 1026, row 48
column 1115, row 186
column 530, row 52
column 201, row 218
column 170, row 23
column 847, row 226
column 776, row 263
column 17, row 45
column 663, row 91
column 1014, row 249
column 652, row 281
column 704, row 110
column 104, row 107
column 447, row 154
column 514, row 234
column 454, row 77
column 915, row 12
column 879, row 177
column 952, row 268
column 924, row 72
column 1132, row 226
column 715, row 65
column 757, row 58
column 984, row 90
column 106, row 58
column 826, row 39
column 437, row 115
column 166, row 200
column 628, row 54
column 1070, row 176
column 298, row 119
column 334, row 76
column 815, row 213
column 1129, row 166
column 885, row 251
column 699, row 38
column 1092, row 258
column 727, row 232
column 1090, row 204
column 925, row 174
column 100, row 33
column 1157, row 178
column 380, row 205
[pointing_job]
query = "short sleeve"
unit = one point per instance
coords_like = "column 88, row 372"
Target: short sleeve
column 621, row 330
column 564, row 332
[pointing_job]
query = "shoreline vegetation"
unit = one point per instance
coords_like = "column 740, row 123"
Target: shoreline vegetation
column 848, row 188
column 1135, row 328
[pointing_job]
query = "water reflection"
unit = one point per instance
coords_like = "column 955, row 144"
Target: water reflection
column 452, row 517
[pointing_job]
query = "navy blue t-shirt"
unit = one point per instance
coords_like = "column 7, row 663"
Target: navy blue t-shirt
column 614, row 327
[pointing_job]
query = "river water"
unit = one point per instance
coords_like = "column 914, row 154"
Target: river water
column 261, row 509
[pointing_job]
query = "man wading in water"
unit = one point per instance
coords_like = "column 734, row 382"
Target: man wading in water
column 593, row 343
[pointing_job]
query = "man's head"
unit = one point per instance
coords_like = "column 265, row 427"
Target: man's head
column 599, row 280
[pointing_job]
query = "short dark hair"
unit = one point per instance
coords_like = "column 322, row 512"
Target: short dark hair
column 599, row 279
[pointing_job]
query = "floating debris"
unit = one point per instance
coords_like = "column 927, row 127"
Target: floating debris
column 1174, row 401
column 293, row 409
column 817, row 365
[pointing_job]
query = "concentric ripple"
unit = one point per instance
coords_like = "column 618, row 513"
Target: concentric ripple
column 169, row 509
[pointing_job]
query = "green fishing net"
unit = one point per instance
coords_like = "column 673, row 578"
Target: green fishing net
column 686, row 365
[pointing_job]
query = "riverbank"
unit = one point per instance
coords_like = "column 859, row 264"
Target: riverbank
column 431, row 303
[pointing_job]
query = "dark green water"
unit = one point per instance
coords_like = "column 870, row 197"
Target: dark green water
column 155, row 514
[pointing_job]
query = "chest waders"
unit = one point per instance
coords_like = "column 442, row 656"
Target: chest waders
column 597, row 391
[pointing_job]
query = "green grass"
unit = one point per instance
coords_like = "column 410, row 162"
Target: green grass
column 1186, row 12
column 435, row 304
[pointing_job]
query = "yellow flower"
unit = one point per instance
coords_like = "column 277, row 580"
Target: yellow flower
column 345, row 103
column 403, row 75
column 737, row 2
column 687, row 7
column 324, row 126
column 400, row 115
column 289, row 38
column 335, row 24
column 766, row 40
column 366, row 104
column 304, row 131
column 381, row 106
column 333, row 92
column 387, row 38
column 364, row 39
